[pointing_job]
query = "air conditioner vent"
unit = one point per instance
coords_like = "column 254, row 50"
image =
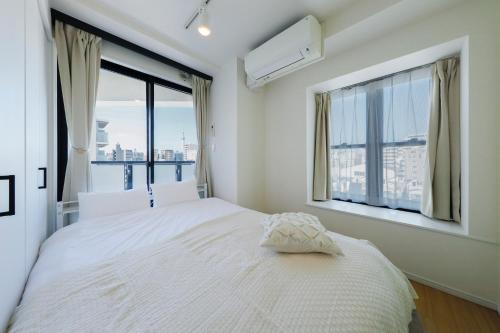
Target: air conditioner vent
column 296, row 47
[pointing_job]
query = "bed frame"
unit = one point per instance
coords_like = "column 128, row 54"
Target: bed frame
column 70, row 208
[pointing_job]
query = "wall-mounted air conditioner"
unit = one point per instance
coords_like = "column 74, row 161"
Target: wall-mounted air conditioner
column 296, row 47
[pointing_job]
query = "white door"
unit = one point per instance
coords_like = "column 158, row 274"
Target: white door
column 12, row 134
column 37, row 92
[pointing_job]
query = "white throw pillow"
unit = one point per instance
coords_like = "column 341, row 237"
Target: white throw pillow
column 97, row 204
column 169, row 194
column 297, row 233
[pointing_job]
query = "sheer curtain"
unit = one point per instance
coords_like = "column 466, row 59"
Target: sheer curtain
column 379, row 132
column 348, row 149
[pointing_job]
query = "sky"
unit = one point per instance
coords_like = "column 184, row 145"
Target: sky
column 127, row 125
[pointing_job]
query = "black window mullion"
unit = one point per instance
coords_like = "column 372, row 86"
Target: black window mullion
column 150, row 121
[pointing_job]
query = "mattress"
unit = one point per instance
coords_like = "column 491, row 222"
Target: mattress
column 197, row 267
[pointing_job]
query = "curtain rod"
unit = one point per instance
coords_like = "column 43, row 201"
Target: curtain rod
column 393, row 74
column 57, row 15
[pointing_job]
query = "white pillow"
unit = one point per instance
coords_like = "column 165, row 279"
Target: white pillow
column 169, row 194
column 297, row 233
column 97, row 204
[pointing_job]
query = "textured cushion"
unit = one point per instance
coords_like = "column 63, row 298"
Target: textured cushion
column 297, row 233
column 95, row 204
column 169, row 194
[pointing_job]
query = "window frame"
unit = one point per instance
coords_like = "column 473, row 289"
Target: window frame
column 150, row 82
column 408, row 143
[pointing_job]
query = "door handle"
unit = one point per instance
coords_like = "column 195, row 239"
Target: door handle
column 44, row 178
column 11, row 196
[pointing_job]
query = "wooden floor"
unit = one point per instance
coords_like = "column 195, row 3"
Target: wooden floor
column 442, row 313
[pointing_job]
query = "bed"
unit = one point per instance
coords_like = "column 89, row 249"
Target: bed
column 197, row 267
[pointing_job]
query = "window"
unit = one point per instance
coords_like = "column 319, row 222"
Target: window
column 119, row 159
column 174, row 136
column 145, row 131
column 379, row 131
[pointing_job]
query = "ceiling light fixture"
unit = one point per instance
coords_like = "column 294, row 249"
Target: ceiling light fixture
column 202, row 15
column 203, row 27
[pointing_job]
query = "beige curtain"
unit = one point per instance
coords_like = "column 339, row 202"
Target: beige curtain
column 79, row 61
column 441, row 192
column 322, row 186
column 201, row 92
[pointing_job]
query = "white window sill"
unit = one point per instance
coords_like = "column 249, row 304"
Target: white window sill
column 394, row 216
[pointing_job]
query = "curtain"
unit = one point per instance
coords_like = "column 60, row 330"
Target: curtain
column 322, row 186
column 79, row 62
column 379, row 131
column 374, row 148
column 441, row 194
column 201, row 92
column 349, row 144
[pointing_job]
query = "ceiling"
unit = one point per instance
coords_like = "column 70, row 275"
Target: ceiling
column 237, row 26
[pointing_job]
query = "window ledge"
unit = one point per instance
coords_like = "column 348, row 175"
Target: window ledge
column 395, row 216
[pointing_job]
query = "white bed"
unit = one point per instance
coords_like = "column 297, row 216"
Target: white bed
column 197, row 266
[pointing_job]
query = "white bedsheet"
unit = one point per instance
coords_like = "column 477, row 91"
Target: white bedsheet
column 215, row 278
column 94, row 240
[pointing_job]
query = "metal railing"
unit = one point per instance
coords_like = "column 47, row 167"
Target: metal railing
column 128, row 169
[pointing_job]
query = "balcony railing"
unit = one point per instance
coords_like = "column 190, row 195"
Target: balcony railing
column 117, row 175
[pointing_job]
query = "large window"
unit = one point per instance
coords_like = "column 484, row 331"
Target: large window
column 145, row 131
column 175, row 139
column 119, row 159
column 379, row 131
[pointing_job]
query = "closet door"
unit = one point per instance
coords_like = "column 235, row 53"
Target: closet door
column 12, row 134
column 37, row 92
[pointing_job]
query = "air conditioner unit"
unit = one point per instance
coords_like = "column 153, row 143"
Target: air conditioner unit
column 296, row 47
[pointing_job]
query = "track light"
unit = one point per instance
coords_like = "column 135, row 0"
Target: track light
column 201, row 15
column 203, row 27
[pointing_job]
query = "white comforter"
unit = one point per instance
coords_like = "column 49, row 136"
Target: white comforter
column 91, row 241
column 212, row 277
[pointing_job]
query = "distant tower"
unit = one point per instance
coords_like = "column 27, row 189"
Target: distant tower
column 183, row 139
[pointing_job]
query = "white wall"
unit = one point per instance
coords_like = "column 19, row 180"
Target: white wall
column 223, row 140
column 251, row 143
column 498, row 155
column 461, row 265
column 237, row 113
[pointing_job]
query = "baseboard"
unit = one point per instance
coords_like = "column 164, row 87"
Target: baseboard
column 453, row 291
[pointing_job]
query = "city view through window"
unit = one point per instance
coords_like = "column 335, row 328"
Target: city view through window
column 378, row 145
column 121, row 135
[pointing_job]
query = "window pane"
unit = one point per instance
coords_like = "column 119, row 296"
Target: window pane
column 175, row 141
column 406, row 113
column 403, row 176
column 405, row 102
column 119, row 157
column 348, row 152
